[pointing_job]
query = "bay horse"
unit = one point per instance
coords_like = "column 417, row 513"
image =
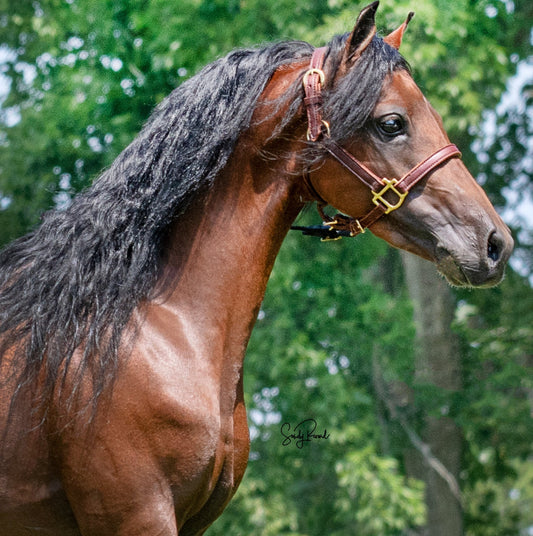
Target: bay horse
column 124, row 318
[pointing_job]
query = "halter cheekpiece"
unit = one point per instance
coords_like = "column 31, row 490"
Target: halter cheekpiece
column 396, row 190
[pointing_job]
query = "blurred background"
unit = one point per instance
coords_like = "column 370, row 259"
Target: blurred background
column 426, row 391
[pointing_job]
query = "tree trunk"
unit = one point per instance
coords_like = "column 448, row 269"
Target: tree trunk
column 438, row 363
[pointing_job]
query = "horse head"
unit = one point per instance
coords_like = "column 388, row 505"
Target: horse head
column 443, row 215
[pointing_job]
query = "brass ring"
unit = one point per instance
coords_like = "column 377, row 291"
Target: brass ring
column 319, row 72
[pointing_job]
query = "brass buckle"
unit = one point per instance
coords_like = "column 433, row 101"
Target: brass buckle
column 389, row 185
column 328, row 239
column 331, row 224
column 319, row 72
column 361, row 229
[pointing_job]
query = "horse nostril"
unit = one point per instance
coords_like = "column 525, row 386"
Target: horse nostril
column 494, row 247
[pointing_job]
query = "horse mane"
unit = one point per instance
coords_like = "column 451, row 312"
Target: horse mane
column 347, row 106
column 73, row 283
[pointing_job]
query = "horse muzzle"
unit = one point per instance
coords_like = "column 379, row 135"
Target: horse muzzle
column 480, row 265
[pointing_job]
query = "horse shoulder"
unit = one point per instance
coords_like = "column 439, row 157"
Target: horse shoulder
column 166, row 419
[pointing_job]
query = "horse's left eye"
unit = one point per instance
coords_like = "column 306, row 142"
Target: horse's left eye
column 391, row 125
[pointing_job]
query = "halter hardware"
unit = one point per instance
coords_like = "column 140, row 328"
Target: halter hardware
column 319, row 132
column 312, row 71
column 325, row 131
column 378, row 198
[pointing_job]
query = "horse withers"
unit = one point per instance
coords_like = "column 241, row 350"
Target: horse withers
column 124, row 318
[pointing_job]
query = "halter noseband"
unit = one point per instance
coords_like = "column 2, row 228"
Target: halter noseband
column 318, row 131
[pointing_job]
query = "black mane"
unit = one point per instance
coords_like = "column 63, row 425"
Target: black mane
column 74, row 282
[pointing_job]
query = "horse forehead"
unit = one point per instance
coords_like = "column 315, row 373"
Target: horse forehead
column 399, row 89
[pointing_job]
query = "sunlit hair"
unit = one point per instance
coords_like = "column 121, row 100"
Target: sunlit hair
column 73, row 283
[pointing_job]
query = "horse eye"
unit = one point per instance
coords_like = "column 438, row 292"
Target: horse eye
column 391, row 125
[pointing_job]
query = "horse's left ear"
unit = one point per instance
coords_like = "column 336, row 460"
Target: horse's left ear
column 362, row 34
column 394, row 39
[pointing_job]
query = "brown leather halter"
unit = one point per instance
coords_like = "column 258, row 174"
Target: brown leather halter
column 318, row 131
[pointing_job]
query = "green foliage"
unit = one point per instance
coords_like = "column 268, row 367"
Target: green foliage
column 376, row 498
column 497, row 366
column 501, row 507
column 494, row 409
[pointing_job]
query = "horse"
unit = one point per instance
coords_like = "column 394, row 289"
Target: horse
column 124, row 318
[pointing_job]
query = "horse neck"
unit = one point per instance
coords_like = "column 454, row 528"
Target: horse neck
column 223, row 250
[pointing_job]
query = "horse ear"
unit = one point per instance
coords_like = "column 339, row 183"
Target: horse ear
column 394, row 39
column 362, row 34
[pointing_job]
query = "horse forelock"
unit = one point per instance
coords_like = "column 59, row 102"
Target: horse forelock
column 348, row 105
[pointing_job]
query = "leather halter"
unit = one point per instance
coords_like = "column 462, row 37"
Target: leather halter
column 318, row 131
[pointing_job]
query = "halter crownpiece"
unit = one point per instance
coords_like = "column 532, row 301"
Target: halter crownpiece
column 318, row 131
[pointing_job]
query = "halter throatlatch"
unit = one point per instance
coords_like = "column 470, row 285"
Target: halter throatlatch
column 387, row 194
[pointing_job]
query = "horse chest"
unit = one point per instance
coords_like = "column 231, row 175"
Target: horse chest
column 155, row 466
column 187, row 432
